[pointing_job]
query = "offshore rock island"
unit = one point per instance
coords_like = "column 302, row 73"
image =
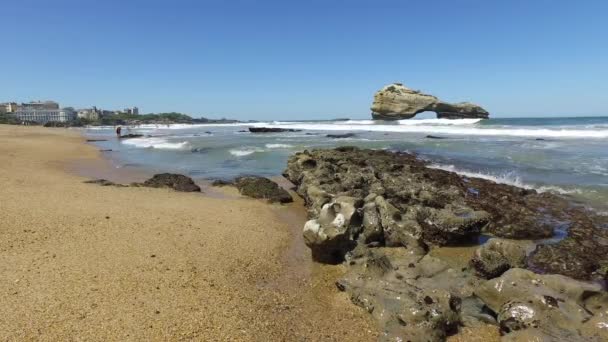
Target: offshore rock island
column 396, row 102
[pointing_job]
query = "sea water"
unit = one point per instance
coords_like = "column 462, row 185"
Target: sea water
column 563, row 155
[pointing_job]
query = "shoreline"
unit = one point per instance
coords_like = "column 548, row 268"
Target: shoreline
column 82, row 261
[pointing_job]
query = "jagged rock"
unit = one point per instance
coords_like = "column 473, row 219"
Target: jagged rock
column 546, row 307
column 271, row 130
column 260, row 187
column 415, row 195
column 170, row 180
column 395, row 102
column 332, row 234
column 400, row 229
column 496, row 256
column 372, row 228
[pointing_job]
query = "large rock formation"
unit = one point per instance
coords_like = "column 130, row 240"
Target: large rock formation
column 389, row 217
column 395, row 102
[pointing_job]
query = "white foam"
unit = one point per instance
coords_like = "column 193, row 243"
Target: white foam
column 450, row 127
column 509, row 178
column 156, row 143
column 436, row 122
column 278, row 146
column 245, row 151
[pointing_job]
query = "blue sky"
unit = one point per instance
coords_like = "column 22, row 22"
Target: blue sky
column 306, row 59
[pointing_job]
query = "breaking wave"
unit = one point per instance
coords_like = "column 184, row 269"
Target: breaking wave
column 278, row 146
column 467, row 128
column 156, row 143
column 509, row 178
column 245, row 151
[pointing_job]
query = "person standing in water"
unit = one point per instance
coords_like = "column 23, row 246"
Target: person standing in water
column 118, row 129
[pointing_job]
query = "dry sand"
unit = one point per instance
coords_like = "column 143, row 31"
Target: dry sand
column 84, row 262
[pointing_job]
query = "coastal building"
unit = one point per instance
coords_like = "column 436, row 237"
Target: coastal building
column 92, row 114
column 38, row 105
column 8, row 107
column 45, row 115
column 132, row 111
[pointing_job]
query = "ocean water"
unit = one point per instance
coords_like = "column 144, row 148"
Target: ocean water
column 563, row 155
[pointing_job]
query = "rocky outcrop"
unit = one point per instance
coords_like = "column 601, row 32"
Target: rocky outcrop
column 381, row 213
column 395, row 102
column 264, row 188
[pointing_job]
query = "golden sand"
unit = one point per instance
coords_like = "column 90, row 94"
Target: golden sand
column 84, row 262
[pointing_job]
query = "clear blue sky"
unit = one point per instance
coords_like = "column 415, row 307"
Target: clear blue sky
column 306, row 59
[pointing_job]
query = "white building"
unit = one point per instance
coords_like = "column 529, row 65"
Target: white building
column 132, row 110
column 45, row 115
column 89, row 114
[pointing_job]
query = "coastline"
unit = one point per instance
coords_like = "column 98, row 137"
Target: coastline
column 81, row 261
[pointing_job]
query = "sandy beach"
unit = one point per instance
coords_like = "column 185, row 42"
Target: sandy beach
column 84, row 262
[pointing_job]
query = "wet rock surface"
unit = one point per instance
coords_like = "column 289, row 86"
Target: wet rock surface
column 264, row 188
column 381, row 212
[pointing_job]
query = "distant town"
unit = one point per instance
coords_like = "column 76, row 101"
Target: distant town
column 50, row 113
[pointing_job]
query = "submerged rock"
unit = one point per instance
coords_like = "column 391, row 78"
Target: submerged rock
column 260, row 187
column 271, row 130
column 395, row 102
column 176, row 182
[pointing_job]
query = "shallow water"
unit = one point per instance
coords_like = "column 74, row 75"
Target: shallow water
column 564, row 155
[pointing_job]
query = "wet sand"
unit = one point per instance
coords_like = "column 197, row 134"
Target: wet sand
column 84, row 262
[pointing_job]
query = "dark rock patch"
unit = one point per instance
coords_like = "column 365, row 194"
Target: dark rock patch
column 271, row 130
column 130, row 136
column 260, row 187
column 341, row 136
column 175, row 181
